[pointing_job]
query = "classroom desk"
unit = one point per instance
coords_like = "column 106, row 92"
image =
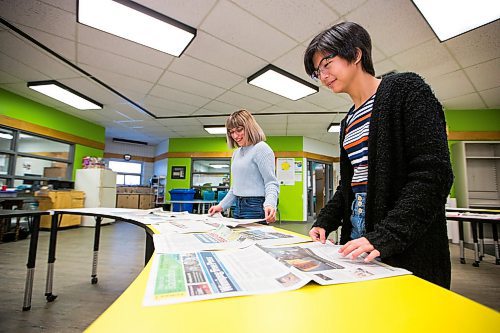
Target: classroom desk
column 106, row 213
column 396, row 304
column 476, row 218
column 202, row 204
column 35, row 228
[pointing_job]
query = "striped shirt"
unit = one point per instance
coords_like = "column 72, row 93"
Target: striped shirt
column 356, row 143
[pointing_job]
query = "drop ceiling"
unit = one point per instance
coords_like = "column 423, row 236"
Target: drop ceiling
column 41, row 40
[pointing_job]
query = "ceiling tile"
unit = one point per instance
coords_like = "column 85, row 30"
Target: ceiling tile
column 214, row 51
column 189, row 85
column 491, row 97
column 242, row 101
column 202, row 71
column 117, row 64
column 477, row 46
column 178, row 96
column 298, row 19
column 237, row 27
column 464, row 102
column 486, row 75
column 394, row 25
column 417, row 60
column 451, row 85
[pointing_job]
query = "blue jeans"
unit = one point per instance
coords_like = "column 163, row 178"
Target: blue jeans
column 249, row 208
column 358, row 215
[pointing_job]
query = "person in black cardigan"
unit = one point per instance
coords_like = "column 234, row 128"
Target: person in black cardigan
column 409, row 171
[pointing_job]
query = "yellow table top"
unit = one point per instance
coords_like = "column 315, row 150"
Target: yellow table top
column 397, row 304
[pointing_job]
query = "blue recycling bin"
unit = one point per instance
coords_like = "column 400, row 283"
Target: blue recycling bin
column 182, row 195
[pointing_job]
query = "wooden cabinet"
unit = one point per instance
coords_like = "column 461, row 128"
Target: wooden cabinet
column 137, row 197
column 60, row 199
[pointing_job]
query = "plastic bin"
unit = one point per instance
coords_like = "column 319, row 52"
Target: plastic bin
column 208, row 195
column 182, row 195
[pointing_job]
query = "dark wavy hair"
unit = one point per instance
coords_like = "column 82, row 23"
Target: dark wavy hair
column 343, row 39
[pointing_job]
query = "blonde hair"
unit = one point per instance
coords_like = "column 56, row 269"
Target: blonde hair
column 242, row 118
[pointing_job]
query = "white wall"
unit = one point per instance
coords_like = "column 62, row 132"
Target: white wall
column 134, row 150
column 320, row 147
column 160, row 167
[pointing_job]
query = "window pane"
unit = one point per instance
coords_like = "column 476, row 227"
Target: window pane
column 35, row 167
column 212, row 179
column 3, row 181
column 212, row 166
column 132, row 180
column 4, row 164
column 5, row 139
column 125, row 167
column 120, row 179
column 43, row 147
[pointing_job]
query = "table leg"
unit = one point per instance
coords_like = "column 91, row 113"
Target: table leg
column 461, row 241
column 97, row 235
column 495, row 243
column 481, row 241
column 476, row 245
column 52, row 258
column 30, row 274
column 149, row 248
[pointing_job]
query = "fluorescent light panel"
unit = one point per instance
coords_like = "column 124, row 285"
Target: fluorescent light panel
column 278, row 81
column 334, row 128
column 215, row 129
column 450, row 18
column 136, row 23
column 65, row 94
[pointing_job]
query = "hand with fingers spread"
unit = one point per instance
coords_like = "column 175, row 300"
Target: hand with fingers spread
column 214, row 209
column 318, row 234
column 357, row 247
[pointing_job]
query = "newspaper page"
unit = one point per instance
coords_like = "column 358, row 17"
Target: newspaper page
column 185, row 277
column 325, row 265
column 188, row 277
column 221, row 238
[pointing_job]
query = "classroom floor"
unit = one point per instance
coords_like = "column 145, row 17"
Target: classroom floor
column 121, row 258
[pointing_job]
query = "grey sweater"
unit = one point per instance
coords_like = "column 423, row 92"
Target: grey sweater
column 409, row 178
column 253, row 175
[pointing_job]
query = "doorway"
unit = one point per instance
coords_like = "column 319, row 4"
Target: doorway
column 320, row 189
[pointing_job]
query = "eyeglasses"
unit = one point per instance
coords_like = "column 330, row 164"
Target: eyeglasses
column 238, row 130
column 322, row 67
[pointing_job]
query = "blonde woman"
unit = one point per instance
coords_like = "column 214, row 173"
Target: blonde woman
column 254, row 188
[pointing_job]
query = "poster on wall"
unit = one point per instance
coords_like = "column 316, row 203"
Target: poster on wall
column 285, row 171
column 178, row 172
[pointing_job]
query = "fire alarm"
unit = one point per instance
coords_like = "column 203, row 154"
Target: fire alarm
column 127, row 157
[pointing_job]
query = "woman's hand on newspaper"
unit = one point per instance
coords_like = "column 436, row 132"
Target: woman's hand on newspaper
column 357, row 247
column 270, row 214
column 318, row 234
column 214, row 209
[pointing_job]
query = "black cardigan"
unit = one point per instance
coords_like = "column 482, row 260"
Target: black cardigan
column 409, row 178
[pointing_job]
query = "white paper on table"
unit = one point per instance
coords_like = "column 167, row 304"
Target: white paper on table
column 208, row 241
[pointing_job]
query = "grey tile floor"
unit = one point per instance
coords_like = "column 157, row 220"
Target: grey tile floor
column 121, row 258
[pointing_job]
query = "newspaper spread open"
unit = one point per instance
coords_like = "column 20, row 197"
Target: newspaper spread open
column 221, row 238
column 185, row 277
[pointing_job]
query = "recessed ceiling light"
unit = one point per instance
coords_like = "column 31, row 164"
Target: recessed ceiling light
column 65, row 94
column 215, row 129
column 334, row 128
column 450, row 18
column 139, row 24
column 278, row 81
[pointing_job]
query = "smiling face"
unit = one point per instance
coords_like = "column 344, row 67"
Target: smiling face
column 336, row 73
column 239, row 136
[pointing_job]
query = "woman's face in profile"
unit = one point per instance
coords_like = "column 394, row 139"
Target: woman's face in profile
column 239, row 136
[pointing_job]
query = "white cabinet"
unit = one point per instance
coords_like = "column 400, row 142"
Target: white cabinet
column 99, row 186
column 476, row 166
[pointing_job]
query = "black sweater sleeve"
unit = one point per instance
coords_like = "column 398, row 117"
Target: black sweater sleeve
column 423, row 193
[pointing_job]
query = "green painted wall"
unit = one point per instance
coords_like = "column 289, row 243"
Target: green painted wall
column 471, row 121
column 290, row 199
column 18, row 107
